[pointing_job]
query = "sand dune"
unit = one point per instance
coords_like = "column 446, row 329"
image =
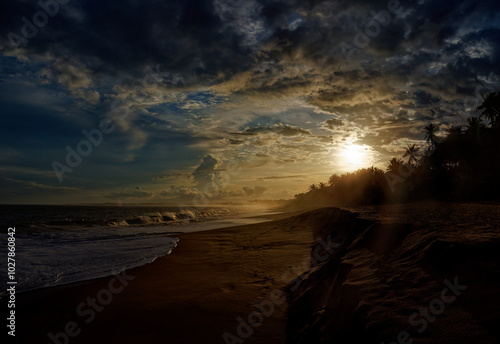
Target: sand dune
column 386, row 282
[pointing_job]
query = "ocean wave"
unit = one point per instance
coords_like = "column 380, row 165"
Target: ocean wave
column 173, row 217
column 182, row 216
column 70, row 257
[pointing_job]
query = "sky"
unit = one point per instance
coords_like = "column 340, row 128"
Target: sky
column 200, row 102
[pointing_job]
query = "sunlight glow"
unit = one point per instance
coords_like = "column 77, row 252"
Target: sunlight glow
column 355, row 156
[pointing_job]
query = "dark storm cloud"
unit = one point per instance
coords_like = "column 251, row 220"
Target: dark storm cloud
column 114, row 37
column 423, row 98
column 234, row 142
column 332, row 123
column 278, row 128
column 208, row 41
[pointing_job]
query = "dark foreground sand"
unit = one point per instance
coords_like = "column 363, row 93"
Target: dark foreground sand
column 194, row 295
column 416, row 273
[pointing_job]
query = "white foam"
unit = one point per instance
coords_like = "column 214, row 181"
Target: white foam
column 53, row 257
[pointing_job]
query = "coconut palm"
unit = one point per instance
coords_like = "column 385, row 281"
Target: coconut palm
column 474, row 125
column 412, row 152
column 491, row 107
column 394, row 165
column 454, row 130
column 430, row 134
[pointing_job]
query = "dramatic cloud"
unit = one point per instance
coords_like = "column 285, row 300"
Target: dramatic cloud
column 278, row 128
column 206, row 174
column 184, row 193
column 275, row 87
column 332, row 123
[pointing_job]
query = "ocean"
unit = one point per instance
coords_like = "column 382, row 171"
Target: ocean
column 64, row 244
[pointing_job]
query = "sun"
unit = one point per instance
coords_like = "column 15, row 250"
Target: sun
column 355, row 155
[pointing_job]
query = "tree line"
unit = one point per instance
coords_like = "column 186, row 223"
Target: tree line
column 463, row 165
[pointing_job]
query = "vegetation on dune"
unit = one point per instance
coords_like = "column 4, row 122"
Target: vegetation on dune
column 464, row 165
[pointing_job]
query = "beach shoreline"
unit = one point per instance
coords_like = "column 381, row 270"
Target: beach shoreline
column 98, row 250
column 195, row 294
column 307, row 276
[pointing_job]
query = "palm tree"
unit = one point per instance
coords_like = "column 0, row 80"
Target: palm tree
column 454, row 130
column 412, row 152
column 430, row 134
column 474, row 125
column 491, row 107
column 334, row 179
column 394, row 165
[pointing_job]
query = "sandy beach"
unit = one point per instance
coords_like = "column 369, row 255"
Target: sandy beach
column 250, row 171
column 194, row 295
column 415, row 273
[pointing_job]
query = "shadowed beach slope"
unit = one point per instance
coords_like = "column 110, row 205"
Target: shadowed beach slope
column 415, row 273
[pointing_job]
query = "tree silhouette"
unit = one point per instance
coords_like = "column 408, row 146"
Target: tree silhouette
column 412, row 152
column 394, row 165
column 333, row 180
column 430, row 134
column 474, row 125
column 462, row 166
column 454, row 130
column 491, row 107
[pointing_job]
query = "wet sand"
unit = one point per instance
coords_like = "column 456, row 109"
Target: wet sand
column 194, row 295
